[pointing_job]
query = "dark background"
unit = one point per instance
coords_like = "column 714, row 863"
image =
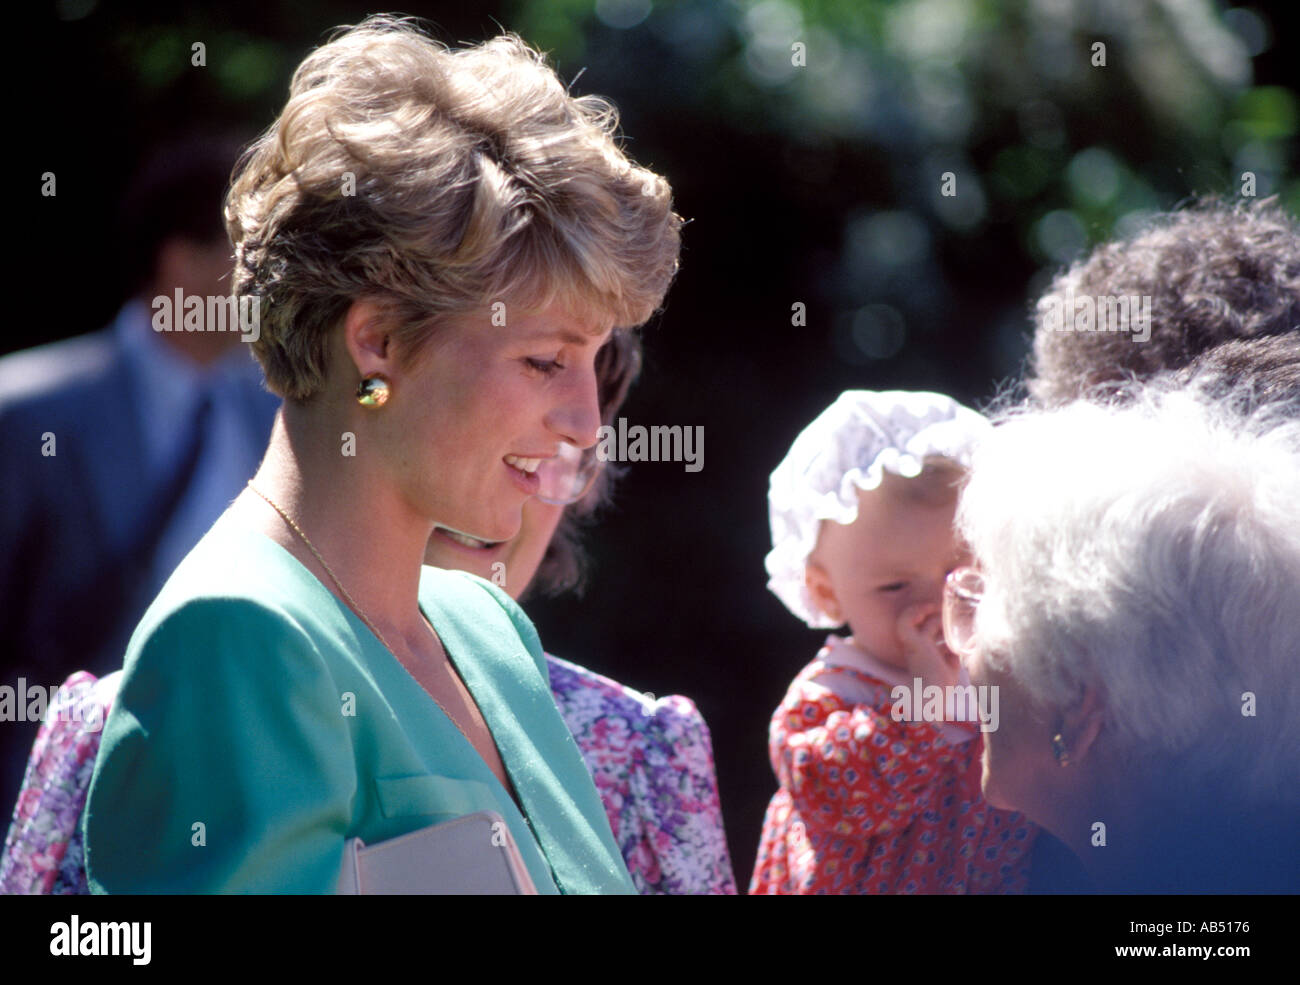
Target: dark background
column 817, row 184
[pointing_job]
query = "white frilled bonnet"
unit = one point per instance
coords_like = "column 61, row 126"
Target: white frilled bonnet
column 848, row 447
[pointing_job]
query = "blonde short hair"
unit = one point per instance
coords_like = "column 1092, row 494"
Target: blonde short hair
column 436, row 181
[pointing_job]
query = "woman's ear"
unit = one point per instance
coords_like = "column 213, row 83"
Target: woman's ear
column 823, row 594
column 366, row 338
column 1083, row 722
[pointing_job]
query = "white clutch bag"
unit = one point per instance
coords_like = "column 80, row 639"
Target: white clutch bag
column 473, row 855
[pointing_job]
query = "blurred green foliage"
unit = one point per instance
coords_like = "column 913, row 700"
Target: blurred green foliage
column 1042, row 129
column 871, row 103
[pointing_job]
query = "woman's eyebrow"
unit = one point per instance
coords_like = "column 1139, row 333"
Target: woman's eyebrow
column 571, row 337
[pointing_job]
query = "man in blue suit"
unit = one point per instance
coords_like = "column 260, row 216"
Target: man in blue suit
column 120, row 448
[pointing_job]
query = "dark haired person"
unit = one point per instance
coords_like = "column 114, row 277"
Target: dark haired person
column 1204, row 275
column 1253, row 375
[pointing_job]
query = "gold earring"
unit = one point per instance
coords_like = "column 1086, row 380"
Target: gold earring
column 1059, row 750
column 374, row 390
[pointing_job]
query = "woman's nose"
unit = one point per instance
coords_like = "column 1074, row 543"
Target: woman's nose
column 577, row 417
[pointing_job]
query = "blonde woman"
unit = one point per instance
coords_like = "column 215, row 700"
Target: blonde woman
column 440, row 242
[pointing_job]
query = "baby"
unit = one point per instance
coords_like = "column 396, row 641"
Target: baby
column 874, row 797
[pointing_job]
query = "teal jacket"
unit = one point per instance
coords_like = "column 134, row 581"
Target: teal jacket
column 260, row 724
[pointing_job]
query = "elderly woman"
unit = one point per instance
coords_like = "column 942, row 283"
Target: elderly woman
column 651, row 758
column 440, row 243
column 1133, row 600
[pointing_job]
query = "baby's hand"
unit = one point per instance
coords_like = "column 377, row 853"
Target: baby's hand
column 920, row 628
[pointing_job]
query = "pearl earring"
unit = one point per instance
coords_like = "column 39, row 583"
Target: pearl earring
column 1059, row 750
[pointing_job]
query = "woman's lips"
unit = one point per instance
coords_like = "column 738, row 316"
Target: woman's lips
column 465, row 540
column 527, row 482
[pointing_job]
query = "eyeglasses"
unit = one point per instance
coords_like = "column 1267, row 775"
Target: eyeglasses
column 568, row 476
column 962, row 591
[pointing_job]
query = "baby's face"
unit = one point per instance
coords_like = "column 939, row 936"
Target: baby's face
column 890, row 562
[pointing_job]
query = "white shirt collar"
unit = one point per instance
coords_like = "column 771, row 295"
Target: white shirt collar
column 840, row 652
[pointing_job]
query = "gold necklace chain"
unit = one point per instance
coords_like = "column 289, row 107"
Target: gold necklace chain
column 353, row 603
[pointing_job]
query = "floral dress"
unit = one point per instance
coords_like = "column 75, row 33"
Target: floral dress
column 43, row 851
column 652, row 761
column 872, row 805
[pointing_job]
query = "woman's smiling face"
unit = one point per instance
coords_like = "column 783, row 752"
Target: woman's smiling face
column 483, row 404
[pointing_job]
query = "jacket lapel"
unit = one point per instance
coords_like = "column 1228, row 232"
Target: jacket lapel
column 554, row 787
